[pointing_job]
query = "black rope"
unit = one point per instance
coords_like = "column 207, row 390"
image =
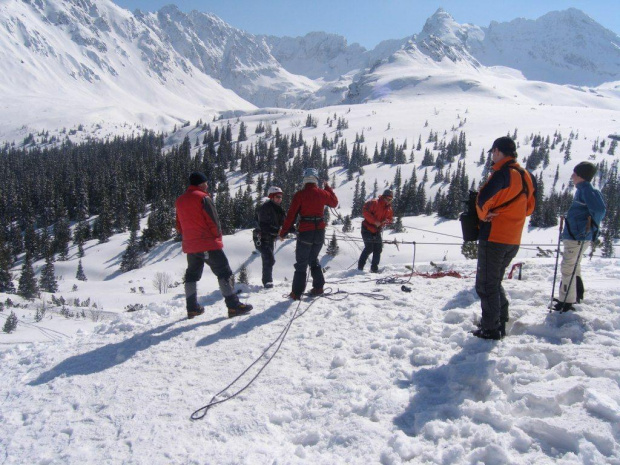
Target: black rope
column 202, row 411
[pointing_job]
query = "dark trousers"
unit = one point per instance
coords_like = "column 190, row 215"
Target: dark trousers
column 373, row 244
column 266, row 252
column 217, row 261
column 493, row 259
column 309, row 244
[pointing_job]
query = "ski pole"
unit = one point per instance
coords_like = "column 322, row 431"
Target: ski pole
column 557, row 256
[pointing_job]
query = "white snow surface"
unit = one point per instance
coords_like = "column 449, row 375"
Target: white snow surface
column 356, row 380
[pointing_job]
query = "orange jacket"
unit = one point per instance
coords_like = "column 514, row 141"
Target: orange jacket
column 377, row 210
column 504, row 185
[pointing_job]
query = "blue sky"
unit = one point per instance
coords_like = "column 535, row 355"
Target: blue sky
column 368, row 22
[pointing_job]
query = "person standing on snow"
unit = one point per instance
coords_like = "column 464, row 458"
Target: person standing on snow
column 270, row 216
column 503, row 203
column 199, row 226
column 309, row 203
column 377, row 213
column 581, row 227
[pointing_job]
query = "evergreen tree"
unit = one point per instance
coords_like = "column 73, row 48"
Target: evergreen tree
column 131, row 257
column 27, row 287
column 398, row 225
column 6, row 279
column 242, row 133
column 243, row 275
column 346, row 225
column 80, row 275
column 10, row 324
column 47, row 280
column 333, row 248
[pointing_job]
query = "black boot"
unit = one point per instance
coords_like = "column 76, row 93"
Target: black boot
column 493, row 334
column 562, row 306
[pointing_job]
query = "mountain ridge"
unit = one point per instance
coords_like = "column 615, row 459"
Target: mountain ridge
column 70, row 61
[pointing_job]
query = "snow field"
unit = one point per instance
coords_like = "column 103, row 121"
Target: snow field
column 357, row 380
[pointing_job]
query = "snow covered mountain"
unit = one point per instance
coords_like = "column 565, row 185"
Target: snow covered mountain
column 66, row 62
column 563, row 47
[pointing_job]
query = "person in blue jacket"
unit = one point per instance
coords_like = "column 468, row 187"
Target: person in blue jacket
column 581, row 227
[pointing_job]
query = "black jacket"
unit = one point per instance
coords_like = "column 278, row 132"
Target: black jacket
column 270, row 217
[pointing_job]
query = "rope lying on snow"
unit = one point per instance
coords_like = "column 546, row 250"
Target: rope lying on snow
column 329, row 294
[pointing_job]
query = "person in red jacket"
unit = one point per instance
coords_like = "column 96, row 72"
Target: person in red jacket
column 199, row 226
column 377, row 213
column 309, row 203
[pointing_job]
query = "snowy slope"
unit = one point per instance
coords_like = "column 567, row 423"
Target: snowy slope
column 357, row 380
column 360, row 380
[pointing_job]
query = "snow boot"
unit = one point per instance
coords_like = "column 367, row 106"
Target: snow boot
column 492, row 334
column 196, row 312
column 193, row 309
column 235, row 307
column 268, row 285
column 316, row 291
column 294, row 296
column 562, row 307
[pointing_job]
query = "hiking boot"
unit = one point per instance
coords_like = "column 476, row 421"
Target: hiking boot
column 562, row 306
column 268, row 285
column 294, row 296
column 492, row 334
column 315, row 291
column 374, row 270
column 196, row 312
column 239, row 309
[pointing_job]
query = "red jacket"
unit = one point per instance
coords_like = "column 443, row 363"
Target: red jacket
column 377, row 210
column 197, row 222
column 309, row 203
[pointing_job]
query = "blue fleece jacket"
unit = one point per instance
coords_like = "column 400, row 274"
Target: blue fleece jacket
column 588, row 202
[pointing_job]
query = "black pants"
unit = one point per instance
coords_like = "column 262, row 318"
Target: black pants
column 309, row 245
column 373, row 244
column 217, row 261
column 266, row 252
column 493, row 259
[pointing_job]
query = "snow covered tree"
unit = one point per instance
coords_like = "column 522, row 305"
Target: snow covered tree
column 333, row 248
column 346, row 226
column 27, row 287
column 243, row 275
column 131, row 257
column 398, row 225
column 10, row 324
column 6, row 278
column 47, row 281
column 80, row 275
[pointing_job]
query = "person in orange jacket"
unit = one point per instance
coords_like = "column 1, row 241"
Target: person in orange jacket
column 309, row 203
column 503, row 203
column 377, row 213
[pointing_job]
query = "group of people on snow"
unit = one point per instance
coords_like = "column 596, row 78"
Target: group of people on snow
column 502, row 205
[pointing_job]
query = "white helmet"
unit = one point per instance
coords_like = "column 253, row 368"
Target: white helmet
column 273, row 190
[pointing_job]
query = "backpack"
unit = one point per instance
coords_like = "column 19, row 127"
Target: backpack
column 256, row 233
column 470, row 223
